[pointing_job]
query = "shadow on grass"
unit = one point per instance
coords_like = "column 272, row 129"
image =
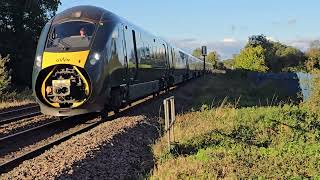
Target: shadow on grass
column 241, row 89
column 242, row 135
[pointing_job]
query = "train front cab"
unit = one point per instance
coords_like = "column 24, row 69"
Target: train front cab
column 68, row 74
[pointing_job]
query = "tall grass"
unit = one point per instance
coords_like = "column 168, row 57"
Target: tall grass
column 274, row 141
column 271, row 142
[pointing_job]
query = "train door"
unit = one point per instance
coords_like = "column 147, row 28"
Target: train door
column 166, row 55
column 131, row 55
column 173, row 57
column 135, row 53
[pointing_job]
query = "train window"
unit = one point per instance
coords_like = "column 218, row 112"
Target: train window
column 72, row 34
column 115, row 36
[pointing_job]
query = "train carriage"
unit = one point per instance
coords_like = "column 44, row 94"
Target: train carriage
column 89, row 59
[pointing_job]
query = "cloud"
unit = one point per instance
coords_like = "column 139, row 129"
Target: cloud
column 228, row 40
column 271, row 38
column 302, row 44
column 226, row 49
column 188, row 40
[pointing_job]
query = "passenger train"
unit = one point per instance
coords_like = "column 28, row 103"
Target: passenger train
column 89, row 59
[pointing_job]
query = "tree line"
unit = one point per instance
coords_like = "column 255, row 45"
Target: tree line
column 21, row 22
column 213, row 56
column 263, row 55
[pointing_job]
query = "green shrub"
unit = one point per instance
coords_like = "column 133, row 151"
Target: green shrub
column 5, row 77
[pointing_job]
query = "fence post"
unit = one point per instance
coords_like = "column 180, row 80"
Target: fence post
column 170, row 117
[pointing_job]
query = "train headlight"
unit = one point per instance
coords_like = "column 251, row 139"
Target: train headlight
column 38, row 61
column 95, row 58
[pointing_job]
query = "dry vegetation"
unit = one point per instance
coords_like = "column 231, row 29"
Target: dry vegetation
column 10, row 97
column 15, row 99
column 240, row 141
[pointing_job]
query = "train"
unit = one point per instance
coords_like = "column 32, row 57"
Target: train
column 89, row 59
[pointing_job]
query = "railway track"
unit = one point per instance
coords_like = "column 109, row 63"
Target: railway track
column 79, row 124
column 19, row 113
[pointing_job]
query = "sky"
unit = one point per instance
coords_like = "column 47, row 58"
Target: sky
column 224, row 25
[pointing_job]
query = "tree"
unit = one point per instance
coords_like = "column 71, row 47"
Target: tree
column 259, row 40
column 313, row 56
column 197, row 53
column 4, row 74
column 229, row 63
column 313, row 59
column 286, row 56
column 252, row 59
column 278, row 56
column 213, row 57
column 21, row 22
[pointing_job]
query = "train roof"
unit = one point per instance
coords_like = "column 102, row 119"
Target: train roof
column 86, row 12
column 97, row 14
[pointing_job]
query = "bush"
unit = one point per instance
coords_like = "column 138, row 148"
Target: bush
column 252, row 59
column 313, row 103
column 5, row 77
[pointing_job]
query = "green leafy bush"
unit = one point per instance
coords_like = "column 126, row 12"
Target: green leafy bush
column 5, row 77
column 252, row 59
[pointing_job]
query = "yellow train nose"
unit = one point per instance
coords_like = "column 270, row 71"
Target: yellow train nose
column 72, row 58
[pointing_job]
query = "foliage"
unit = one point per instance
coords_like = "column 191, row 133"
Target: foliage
column 229, row 63
column 252, row 59
column 278, row 56
column 313, row 58
column 220, row 65
column 197, row 53
column 259, row 40
column 5, row 77
column 21, row 23
column 213, row 57
column 286, row 56
column 313, row 102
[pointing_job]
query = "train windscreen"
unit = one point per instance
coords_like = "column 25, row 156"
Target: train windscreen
column 70, row 35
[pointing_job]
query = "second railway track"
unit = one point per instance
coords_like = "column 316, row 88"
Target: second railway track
column 19, row 113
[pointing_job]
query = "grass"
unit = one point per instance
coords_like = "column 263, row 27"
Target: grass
column 15, row 99
column 270, row 142
column 243, row 140
column 239, row 91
